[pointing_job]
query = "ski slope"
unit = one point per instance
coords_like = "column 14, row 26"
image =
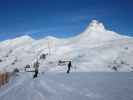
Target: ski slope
column 96, row 50
column 75, row 86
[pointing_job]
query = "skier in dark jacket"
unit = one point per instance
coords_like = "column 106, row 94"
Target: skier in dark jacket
column 36, row 66
column 36, row 73
column 69, row 67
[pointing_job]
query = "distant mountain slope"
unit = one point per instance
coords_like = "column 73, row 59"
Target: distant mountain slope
column 95, row 49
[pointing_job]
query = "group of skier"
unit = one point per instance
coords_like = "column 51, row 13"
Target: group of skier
column 36, row 67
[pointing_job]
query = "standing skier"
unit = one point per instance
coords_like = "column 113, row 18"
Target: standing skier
column 36, row 66
column 69, row 67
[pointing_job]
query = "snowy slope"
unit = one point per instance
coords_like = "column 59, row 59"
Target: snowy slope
column 95, row 49
column 75, row 86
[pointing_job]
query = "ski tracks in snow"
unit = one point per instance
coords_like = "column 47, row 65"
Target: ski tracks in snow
column 45, row 87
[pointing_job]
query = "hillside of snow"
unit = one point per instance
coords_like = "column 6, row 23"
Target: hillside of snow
column 95, row 49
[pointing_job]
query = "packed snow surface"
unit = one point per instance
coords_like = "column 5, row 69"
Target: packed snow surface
column 73, row 86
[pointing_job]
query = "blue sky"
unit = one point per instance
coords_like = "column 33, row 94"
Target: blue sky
column 62, row 18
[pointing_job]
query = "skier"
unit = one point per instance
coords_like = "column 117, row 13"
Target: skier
column 43, row 56
column 36, row 66
column 69, row 67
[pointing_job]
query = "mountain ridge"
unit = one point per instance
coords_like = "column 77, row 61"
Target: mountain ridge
column 95, row 49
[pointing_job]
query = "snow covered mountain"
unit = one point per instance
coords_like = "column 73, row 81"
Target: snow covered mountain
column 95, row 49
